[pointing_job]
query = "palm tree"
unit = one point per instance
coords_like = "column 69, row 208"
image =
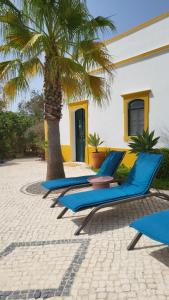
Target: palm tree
column 57, row 39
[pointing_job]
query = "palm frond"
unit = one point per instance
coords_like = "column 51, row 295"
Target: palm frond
column 10, row 5
column 101, row 23
column 33, row 39
column 71, row 87
column 97, row 88
column 9, row 68
column 64, row 66
column 9, row 18
column 66, row 33
column 14, row 86
column 93, row 55
column 5, row 49
column 32, row 67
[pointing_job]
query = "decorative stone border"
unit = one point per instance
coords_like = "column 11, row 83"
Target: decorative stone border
column 67, row 280
column 33, row 189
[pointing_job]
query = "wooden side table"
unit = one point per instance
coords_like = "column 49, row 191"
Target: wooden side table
column 101, row 182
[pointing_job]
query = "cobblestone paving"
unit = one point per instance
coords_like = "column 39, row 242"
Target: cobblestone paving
column 40, row 257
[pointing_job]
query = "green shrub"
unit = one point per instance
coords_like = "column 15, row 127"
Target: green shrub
column 12, row 133
column 164, row 168
column 144, row 142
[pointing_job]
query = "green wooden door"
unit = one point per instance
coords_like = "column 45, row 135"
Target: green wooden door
column 80, row 134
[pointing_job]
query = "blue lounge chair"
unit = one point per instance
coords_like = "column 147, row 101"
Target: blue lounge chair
column 108, row 168
column 155, row 226
column 135, row 187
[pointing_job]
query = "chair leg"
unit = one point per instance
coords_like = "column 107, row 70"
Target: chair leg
column 62, row 213
column 55, row 202
column 86, row 220
column 163, row 196
column 79, row 186
column 110, row 204
column 61, row 195
column 134, row 241
column 44, row 196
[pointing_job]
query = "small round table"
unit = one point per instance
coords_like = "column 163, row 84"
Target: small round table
column 100, row 182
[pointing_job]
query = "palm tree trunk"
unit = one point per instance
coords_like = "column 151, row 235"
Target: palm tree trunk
column 52, row 111
column 55, row 162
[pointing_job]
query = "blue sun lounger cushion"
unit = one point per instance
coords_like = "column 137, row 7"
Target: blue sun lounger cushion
column 137, row 183
column 108, row 168
column 155, row 226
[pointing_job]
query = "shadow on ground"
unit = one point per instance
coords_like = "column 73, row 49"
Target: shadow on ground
column 162, row 255
column 8, row 163
column 119, row 217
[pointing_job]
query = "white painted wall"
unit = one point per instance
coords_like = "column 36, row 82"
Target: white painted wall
column 150, row 73
column 146, row 39
column 64, row 126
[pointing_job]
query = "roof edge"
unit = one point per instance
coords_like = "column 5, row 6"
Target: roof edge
column 136, row 28
column 132, row 59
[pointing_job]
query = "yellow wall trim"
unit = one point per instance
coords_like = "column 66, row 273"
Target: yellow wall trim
column 76, row 104
column 66, row 152
column 46, row 138
column 128, row 159
column 127, row 98
column 136, row 28
column 132, row 59
column 136, row 94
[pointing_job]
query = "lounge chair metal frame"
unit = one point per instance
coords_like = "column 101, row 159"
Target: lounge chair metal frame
column 114, row 203
column 66, row 190
column 139, row 234
column 71, row 188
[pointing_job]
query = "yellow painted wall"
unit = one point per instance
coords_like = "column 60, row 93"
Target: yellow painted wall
column 46, row 138
column 128, row 160
column 66, row 152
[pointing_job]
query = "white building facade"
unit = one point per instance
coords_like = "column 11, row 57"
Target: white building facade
column 139, row 95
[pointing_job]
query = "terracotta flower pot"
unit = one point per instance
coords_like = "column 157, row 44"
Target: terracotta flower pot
column 97, row 159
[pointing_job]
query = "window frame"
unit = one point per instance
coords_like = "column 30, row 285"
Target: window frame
column 127, row 98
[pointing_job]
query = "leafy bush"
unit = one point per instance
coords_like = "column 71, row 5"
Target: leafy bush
column 12, row 133
column 34, row 106
column 164, row 168
column 144, row 142
column 94, row 140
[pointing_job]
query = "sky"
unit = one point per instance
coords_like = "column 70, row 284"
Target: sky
column 125, row 14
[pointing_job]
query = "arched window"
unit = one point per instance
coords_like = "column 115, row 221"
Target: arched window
column 136, row 113
column 135, row 117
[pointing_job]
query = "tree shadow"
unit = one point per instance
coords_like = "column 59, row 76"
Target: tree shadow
column 164, row 136
column 8, row 163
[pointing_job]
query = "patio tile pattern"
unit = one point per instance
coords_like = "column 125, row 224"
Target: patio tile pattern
column 40, row 254
column 32, row 271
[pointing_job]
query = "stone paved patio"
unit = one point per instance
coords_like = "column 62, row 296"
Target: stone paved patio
column 40, row 257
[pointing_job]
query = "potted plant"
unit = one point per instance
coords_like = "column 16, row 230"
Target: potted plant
column 96, row 157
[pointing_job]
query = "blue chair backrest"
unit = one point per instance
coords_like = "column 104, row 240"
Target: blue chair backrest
column 144, row 170
column 111, row 163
